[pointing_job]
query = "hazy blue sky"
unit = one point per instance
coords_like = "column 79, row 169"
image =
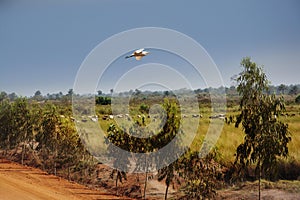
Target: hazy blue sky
column 43, row 43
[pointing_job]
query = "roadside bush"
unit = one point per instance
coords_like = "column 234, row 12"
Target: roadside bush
column 202, row 175
column 103, row 100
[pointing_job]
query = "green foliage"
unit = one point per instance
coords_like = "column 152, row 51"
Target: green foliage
column 100, row 100
column 12, row 96
column 5, row 123
column 68, row 141
column 57, row 139
column 266, row 138
column 144, row 108
column 49, row 131
column 201, row 175
column 126, row 140
column 16, row 124
column 282, row 88
column 26, row 123
column 168, row 173
column 293, row 90
column 38, row 96
column 3, row 96
column 42, row 133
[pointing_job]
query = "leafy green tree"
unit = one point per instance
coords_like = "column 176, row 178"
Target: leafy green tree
column 169, row 131
column 137, row 92
column 48, row 136
column 59, row 144
column 201, row 175
column 23, row 124
column 3, row 96
column 99, row 92
column 144, row 108
column 69, row 146
column 38, row 96
column 70, row 92
column 125, row 140
column 266, row 138
column 37, row 93
column 294, row 90
column 100, row 100
column 282, row 88
column 12, row 96
column 170, row 128
column 166, row 93
column 16, row 126
column 6, row 127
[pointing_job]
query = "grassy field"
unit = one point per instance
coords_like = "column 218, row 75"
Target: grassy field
column 192, row 119
column 230, row 136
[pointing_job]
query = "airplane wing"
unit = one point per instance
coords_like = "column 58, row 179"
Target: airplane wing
column 139, row 51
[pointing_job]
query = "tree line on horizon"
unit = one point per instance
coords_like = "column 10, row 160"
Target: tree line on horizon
column 282, row 89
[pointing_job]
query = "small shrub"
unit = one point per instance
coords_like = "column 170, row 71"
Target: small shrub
column 202, row 176
column 144, row 108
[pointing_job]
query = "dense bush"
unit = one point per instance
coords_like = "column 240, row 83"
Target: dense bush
column 201, row 174
column 46, row 138
column 103, row 100
column 144, row 108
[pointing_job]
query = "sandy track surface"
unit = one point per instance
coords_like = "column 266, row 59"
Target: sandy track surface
column 26, row 183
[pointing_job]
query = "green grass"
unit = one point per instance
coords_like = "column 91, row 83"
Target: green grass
column 229, row 140
column 230, row 136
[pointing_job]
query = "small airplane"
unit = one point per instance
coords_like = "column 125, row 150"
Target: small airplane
column 138, row 54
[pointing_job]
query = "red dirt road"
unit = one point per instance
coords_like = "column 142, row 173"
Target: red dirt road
column 26, row 183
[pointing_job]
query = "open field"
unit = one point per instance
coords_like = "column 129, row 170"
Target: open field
column 230, row 136
column 85, row 169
